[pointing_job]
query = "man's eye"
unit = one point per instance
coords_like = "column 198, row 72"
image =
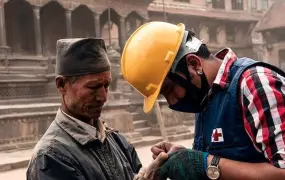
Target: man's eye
column 106, row 86
column 94, row 87
column 99, row 86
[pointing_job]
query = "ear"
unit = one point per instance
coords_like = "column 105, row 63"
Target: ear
column 194, row 61
column 60, row 84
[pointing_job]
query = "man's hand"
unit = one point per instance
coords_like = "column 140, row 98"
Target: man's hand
column 150, row 173
column 165, row 147
column 140, row 175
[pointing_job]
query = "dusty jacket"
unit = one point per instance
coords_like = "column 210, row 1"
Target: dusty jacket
column 67, row 151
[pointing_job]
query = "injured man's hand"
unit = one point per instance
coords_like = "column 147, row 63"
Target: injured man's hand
column 150, row 173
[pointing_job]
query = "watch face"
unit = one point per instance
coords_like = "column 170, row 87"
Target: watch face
column 213, row 172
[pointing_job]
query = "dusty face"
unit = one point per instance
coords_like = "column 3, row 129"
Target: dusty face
column 86, row 96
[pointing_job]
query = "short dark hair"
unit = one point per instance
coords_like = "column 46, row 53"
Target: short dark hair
column 72, row 79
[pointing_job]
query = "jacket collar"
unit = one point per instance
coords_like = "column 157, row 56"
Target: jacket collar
column 228, row 57
column 82, row 132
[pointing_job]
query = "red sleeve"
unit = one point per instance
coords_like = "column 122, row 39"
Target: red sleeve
column 263, row 108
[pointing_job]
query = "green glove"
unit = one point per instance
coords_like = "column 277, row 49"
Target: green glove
column 185, row 164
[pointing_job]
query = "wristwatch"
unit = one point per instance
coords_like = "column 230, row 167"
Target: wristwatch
column 213, row 171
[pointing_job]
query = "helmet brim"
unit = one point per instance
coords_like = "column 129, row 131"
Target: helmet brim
column 150, row 100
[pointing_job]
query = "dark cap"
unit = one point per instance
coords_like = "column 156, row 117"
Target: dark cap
column 81, row 56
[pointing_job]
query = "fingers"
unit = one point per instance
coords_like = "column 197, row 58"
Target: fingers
column 162, row 157
column 156, row 152
column 160, row 147
column 159, row 161
column 139, row 178
column 163, row 172
column 157, row 148
column 154, row 156
column 140, row 174
column 142, row 171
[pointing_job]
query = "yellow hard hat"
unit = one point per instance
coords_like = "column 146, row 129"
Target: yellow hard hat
column 148, row 56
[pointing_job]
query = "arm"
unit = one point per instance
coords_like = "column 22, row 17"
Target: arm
column 136, row 163
column 129, row 151
column 49, row 167
column 234, row 170
column 262, row 101
column 263, row 108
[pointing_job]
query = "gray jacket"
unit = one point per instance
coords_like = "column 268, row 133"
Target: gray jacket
column 67, row 151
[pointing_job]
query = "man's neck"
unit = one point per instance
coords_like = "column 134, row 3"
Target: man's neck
column 89, row 121
column 211, row 68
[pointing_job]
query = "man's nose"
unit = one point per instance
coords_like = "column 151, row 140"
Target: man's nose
column 102, row 95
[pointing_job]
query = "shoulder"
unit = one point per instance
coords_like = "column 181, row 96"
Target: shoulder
column 259, row 76
column 52, row 149
column 260, row 70
column 52, row 144
column 51, row 156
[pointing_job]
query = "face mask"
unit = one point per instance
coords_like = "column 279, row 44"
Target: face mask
column 192, row 101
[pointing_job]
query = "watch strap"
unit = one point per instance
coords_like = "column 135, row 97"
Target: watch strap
column 215, row 161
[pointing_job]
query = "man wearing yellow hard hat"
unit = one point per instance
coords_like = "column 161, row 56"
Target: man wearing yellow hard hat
column 240, row 104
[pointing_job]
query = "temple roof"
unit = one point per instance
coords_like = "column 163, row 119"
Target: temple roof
column 242, row 16
column 273, row 18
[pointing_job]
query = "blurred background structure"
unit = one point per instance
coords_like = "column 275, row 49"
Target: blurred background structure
column 29, row 30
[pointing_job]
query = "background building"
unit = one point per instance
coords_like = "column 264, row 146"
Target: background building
column 220, row 23
column 29, row 30
column 272, row 28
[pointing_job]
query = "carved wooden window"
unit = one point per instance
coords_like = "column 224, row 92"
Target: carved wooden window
column 264, row 4
column 280, row 35
column 230, row 31
column 282, row 59
column 213, row 34
column 182, row 1
column 218, row 4
column 253, row 4
column 237, row 4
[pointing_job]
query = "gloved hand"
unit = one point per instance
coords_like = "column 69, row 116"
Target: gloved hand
column 150, row 173
column 184, row 164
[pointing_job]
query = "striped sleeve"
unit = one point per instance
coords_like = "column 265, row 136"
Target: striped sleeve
column 263, row 108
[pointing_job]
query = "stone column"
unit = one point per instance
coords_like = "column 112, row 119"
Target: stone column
column 37, row 28
column 2, row 25
column 245, row 5
column 122, row 32
column 97, row 25
column 249, row 8
column 228, row 5
column 68, row 23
